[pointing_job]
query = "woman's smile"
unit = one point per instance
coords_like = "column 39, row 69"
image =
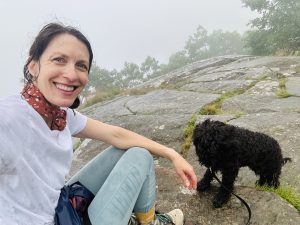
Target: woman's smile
column 64, row 87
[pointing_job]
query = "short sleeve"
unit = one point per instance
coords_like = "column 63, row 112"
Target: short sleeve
column 75, row 121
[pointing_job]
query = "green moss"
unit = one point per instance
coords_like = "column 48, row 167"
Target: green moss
column 173, row 85
column 261, row 77
column 282, row 92
column 296, row 110
column 282, row 82
column 297, row 69
column 76, row 145
column 214, row 107
column 238, row 114
column 287, row 193
column 188, row 135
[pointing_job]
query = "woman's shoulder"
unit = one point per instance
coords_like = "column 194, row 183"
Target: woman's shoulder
column 12, row 100
column 13, row 107
column 75, row 120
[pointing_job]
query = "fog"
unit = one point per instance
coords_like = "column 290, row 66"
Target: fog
column 119, row 30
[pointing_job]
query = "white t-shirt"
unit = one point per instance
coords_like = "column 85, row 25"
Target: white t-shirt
column 34, row 161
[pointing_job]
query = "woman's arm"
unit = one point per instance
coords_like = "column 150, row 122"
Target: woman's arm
column 124, row 139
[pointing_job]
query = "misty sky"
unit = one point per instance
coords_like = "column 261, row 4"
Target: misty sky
column 119, row 30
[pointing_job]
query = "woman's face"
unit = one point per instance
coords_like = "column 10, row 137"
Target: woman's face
column 61, row 73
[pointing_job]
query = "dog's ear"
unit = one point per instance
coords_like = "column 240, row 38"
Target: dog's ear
column 196, row 133
column 214, row 134
column 203, row 133
column 219, row 130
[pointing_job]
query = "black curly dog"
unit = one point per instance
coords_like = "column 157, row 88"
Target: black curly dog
column 226, row 148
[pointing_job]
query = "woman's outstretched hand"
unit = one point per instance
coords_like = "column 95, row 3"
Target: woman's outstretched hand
column 185, row 171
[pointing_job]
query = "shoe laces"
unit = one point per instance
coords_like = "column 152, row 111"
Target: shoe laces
column 133, row 220
column 164, row 219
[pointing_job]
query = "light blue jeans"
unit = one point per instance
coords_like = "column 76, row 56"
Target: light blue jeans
column 122, row 181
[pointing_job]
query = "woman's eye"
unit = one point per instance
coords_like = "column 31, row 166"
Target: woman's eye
column 82, row 67
column 59, row 59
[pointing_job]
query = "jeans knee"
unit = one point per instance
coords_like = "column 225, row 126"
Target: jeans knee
column 141, row 155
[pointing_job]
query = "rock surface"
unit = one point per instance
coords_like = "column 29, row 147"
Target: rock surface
column 162, row 115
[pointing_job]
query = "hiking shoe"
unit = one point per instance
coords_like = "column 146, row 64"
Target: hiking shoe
column 174, row 217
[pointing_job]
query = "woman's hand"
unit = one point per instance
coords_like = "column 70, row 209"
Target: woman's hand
column 185, row 171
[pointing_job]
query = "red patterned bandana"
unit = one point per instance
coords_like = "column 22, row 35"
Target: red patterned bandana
column 36, row 99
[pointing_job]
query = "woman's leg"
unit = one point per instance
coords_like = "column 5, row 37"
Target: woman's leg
column 122, row 181
column 95, row 172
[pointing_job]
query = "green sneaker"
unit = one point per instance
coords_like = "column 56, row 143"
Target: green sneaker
column 174, row 217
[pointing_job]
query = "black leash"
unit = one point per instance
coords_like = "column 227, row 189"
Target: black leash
column 242, row 200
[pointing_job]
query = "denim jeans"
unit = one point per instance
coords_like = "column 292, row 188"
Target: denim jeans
column 122, row 181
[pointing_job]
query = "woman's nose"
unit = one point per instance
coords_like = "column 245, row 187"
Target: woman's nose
column 71, row 73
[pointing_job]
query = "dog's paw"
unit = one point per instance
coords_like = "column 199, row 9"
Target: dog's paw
column 220, row 199
column 202, row 185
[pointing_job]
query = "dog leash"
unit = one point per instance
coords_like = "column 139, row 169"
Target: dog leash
column 242, row 200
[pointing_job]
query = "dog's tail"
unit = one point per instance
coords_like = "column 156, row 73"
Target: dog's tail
column 285, row 160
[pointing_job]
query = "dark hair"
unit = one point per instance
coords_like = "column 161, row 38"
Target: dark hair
column 45, row 36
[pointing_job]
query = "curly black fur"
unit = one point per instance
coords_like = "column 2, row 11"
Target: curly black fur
column 226, row 148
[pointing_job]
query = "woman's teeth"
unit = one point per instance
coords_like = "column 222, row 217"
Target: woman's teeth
column 65, row 87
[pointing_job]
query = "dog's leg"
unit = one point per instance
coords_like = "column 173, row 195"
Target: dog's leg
column 269, row 178
column 273, row 179
column 223, row 195
column 204, row 183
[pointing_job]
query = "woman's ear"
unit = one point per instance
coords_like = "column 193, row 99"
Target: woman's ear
column 33, row 68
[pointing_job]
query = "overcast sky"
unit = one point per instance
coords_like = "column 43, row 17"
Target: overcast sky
column 119, row 30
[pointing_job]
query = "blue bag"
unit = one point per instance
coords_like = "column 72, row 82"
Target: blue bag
column 72, row 205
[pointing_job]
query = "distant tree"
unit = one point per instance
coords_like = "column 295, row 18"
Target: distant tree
column 202, row 45
column 117, row 81
column 260, row 42
column 149, row 68
column 163, row 69
column 196, row 45
column 224, row 43
column 100, row 79
column 178, row 59
column 130, row 75
column 277, row 28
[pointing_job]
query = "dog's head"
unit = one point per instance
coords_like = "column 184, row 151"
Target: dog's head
column 210, row 139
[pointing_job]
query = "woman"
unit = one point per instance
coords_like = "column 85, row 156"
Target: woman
column 36, row 146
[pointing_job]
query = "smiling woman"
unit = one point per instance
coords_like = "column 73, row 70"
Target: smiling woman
column 61, row 57
column 62, row 71
column 36, row 145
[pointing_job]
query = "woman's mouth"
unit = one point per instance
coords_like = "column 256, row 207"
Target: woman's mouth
column 64, row 87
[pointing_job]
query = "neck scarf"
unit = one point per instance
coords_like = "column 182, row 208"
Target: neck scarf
column 48, row 111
